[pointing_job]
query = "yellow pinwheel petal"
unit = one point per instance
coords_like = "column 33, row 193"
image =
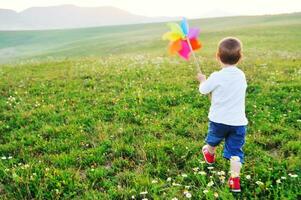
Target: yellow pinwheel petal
column 171, row 36
column 175, row 28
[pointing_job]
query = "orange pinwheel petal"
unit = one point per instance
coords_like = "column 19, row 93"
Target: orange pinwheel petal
column 174, row 47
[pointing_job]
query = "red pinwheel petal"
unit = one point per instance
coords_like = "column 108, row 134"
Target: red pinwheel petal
column 195, row 44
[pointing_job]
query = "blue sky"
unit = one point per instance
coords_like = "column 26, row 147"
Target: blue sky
column 189, row 8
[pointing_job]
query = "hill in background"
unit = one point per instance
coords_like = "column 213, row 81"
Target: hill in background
column 69, row 16
column 146, row 38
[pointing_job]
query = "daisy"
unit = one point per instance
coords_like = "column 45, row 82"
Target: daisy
column 184, row 175
column 211, row 183
column 259, row 183
column 215, row 194
column 222, row 179
column 294, row 175
column 221, row 173
column 144, row 193
column 188, row 195
column 202, row 173
column 195, row 169
column 154, row 181
column 176, row 184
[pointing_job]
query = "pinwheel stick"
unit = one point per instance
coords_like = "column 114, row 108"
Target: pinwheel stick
column 198, row 68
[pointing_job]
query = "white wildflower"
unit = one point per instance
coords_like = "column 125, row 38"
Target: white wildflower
column 211, row 183
column 293, row 175
column 283, row 177
column 168, row 179
column 154, row 181
column 222, row 179
column 248, row 177
column 184, row 175
column 188, row 195
column 176, row 184
column 205, row 191
column 175, row 198
column 3, row 158
column 195, row 169
column 202, row 173
column 144, row 193
column 221, row 173
column 210, row 168
column 259, row 183
column 278, row 181
column 215, row 194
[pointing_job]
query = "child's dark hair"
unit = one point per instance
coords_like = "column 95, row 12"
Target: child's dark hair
column 229, row 50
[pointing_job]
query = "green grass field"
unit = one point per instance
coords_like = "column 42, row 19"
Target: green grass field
column 105, row 113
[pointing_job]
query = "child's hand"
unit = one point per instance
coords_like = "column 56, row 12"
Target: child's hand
column 201, row 77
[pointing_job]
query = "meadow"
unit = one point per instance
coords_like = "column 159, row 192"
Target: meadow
column 105, row 113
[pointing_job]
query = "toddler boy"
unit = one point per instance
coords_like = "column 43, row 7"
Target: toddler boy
column 227, row 119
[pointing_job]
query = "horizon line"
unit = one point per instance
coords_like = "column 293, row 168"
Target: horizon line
column 116, row 7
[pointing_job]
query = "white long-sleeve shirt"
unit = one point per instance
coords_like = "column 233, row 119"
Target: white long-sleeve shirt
column 228, row 87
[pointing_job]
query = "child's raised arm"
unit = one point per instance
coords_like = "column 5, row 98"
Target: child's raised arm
column 207, row 85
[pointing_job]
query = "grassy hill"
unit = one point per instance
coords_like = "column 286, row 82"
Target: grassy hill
column 144, row 38
column 104, row 113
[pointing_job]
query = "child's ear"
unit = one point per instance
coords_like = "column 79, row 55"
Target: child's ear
column 241, row 57
column 217, row 56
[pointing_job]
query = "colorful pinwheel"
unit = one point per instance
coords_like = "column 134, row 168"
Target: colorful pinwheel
column 183, row 40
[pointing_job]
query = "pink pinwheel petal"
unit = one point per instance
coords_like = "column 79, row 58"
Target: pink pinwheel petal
column 185, row 51
column 193, row 33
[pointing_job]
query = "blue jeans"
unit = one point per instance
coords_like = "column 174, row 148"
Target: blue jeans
column 234, row 138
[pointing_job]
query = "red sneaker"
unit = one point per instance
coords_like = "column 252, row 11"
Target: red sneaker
column 234, row 184
column 209, row 158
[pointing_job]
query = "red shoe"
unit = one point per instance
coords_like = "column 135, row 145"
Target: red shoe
column 234, row 184
column 209, row 158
